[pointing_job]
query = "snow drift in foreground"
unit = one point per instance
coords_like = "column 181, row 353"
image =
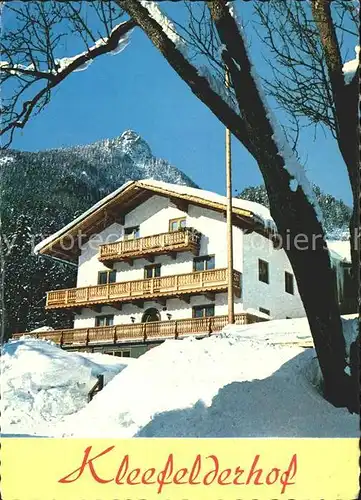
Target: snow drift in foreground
column 249, row 381
column 40, row 383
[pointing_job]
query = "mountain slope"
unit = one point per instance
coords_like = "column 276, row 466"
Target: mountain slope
column 336, row 214
column 43, row 191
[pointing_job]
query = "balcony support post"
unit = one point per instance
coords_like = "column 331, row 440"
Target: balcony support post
column 115, row 305
column 184, row 298
column 144, row 328
column 210, row 296
column 95, row 308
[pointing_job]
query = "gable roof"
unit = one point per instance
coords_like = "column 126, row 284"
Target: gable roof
column 340, row 250
column 112, row 208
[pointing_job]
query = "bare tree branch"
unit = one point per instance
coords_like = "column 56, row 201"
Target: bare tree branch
column 344, row 96
column 199, row 85
column 37, row 46
column 290, row 209
column 216, row 39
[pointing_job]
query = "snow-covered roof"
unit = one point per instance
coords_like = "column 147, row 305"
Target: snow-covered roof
column 81, row 217
column 340, row 250
column 260, row 211
column 252, row 210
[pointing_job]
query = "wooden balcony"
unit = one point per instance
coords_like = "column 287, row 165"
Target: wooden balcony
column 141, row 332
column 114, row 294
column 185, row 240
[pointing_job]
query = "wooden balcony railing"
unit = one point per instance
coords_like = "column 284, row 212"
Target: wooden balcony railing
column 141, row 332
column 183, row 240
column 195, row 283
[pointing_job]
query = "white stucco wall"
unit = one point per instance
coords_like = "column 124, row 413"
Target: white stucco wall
column 270, row 296
column 153, row 217
column 176, row 307
column 88, row 263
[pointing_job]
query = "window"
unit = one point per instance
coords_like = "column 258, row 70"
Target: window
column 105, row 277
column 120, row 354
column 152, row 271
column 130, row 233
column 177, row 224
column 263, row 271
column 203, row 311
column 203, row 263
column 265, row 311
column 289, row 283
column 107, row 320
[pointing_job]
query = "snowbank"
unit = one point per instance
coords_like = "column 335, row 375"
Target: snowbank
column 248, row 381
column 41, row 383
column 43, row 329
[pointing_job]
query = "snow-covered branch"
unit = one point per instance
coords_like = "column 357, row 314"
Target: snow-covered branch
column 61, row 68
column 161, row 32
column 245, row 76
column 20, row 69
column 114, row 44
column 167, row 25
column 350, row 68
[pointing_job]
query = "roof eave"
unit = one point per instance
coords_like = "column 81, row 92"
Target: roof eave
column 49, row 245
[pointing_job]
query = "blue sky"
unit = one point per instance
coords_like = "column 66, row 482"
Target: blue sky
column 138, row 90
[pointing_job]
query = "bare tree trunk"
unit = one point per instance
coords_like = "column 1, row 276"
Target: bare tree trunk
column 297, row 223
column 294, row 216
column 292, row 211
column 345, row 98
column 317, row 288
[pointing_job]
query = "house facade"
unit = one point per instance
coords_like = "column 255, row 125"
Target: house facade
column 152, row 264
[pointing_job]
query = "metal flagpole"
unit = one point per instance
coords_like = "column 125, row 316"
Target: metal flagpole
column 229, row 219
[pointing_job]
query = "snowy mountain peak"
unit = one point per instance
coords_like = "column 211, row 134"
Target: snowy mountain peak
column 134, row 146
column 43, row 191
column 129, row 135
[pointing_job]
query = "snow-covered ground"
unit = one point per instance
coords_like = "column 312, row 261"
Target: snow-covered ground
column 41, row 384
column 249, row 381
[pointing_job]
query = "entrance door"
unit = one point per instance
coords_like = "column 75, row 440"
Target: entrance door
column 152, row 329
column 151, row 314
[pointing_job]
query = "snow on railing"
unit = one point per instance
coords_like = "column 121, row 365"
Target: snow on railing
column 141, row 331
